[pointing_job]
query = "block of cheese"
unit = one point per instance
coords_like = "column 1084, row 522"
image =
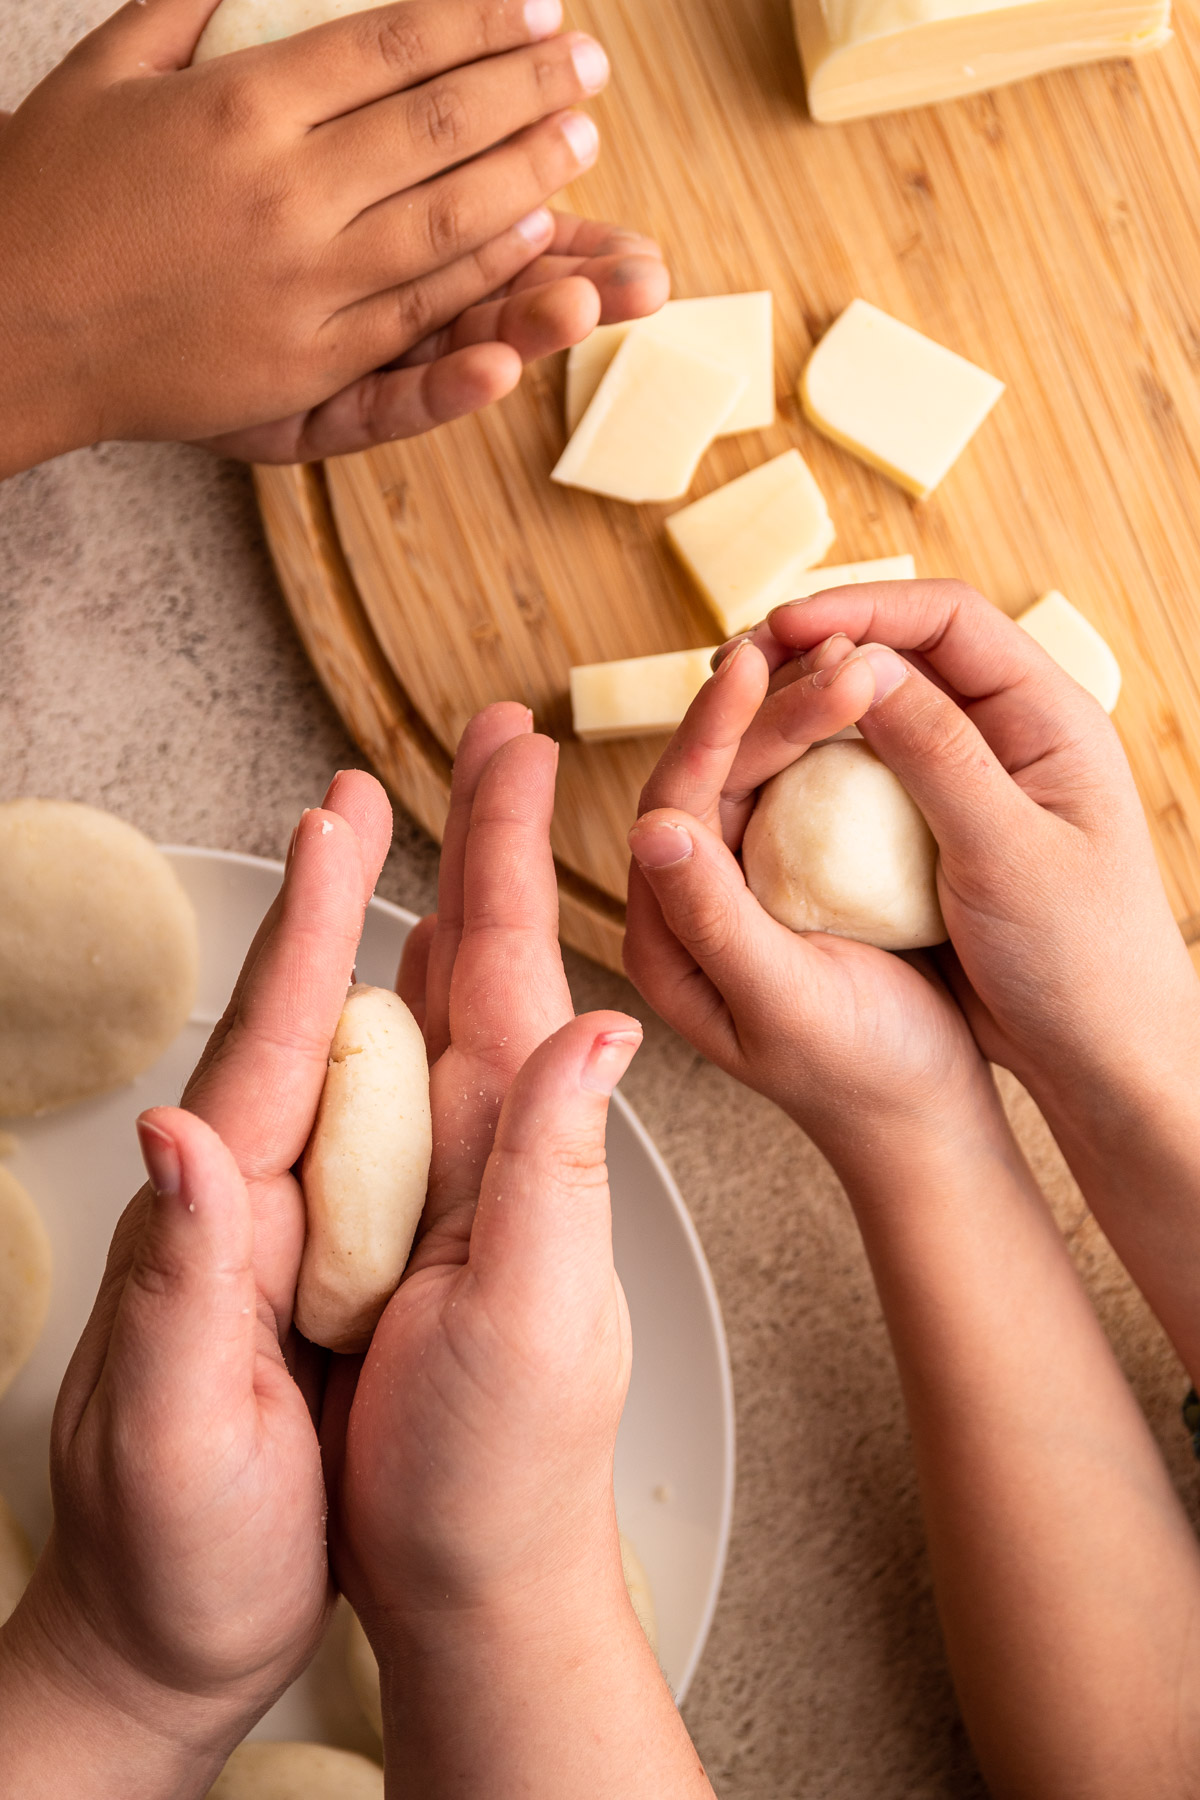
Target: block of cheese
column 874, row 56
column 905, row 405
column 747, row 544
column 237, row 24
column 881, row 568
column 656, row 411
column 734, row 329
column 637, row 696
column 1075, row 645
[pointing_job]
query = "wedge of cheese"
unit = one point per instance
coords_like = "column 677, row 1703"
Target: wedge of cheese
column 905, row 405
column 1075, row 645
column 734, row 329
column 656, row 411
column 875, row 56
column 882, row 568
column 636, row 697
column 747, row 544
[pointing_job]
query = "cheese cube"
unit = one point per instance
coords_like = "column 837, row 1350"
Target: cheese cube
column 656, row 411
column 904, row 404
column 883, row 568
column 747, row 544
column 734, row 329
column 1075, row 645
column 638, row 696
column 874, row 56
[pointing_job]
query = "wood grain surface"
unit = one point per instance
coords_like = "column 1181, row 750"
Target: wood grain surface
column 1050, row 232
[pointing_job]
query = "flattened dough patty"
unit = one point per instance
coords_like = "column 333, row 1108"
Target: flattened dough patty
column 297, row 1772
column 24, row 1277
column 237, row 24
column 97, row 954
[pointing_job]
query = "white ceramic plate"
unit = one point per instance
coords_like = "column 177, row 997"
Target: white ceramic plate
column 675, row 1451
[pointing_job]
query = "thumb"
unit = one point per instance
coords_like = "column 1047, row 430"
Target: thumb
column 544, row 1201
column 185, row 1332
column 147, row 37
column 969, row 800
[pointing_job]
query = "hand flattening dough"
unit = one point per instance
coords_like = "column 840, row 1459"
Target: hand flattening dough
column 365, row 1170
column 24, row 1277
column 16, row 1561
column 97, row 954
column 237, row 24
column 297, row 1772
column 836, row 844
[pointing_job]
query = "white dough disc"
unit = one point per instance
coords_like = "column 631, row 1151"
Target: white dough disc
column 836, row 843
column 16, row 1560
column 98, row 954
column 297, row 1772
column 24, row 1277
column 238, row 24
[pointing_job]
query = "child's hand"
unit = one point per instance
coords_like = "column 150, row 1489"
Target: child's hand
column 186, row 1582
column 849, row 1040
column 197, row 252
column 470, row 1455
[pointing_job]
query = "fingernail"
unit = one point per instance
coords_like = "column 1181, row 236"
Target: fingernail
column 582, row 136
column 160, row 1157
column 287, row 861
column 888, row 669
column 543, row 17
column 591, row 64
column 657, row 843
column 536, row 226
column 727, row 662
column 608, row 1059
column 818, row 657
column 724, row 651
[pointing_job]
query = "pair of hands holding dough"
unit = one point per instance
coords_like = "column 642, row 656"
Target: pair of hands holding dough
column 467, row 1459
column 1064, row 963
column 310, row 246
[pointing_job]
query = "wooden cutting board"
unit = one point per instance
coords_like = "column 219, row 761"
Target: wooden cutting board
column 1050, row 232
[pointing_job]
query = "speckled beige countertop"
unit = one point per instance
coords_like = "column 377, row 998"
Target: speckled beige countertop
column 147, row 665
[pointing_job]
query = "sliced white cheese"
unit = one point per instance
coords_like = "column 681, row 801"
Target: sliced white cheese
column 1075, row 645
column 656, row 411
column 734, row 329
column 747, row 544
column 905, row 405
column 638, row 696
column 874, row 56
column 237, row 24
column 882, row 568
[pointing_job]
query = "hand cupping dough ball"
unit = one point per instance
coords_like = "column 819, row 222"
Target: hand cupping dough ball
column 238, row 24
column 297, row 1772
column 835, row 843
column 16, row 1561
column 365, row 1170
column 98, row 954
column 24, row 1277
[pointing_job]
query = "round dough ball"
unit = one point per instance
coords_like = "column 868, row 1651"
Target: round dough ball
column 297, row 1772
column 237, row 24
column 363, row 1671
column 835, row 843
column 16, row 1560
column 98, row 954
column 25, row 1265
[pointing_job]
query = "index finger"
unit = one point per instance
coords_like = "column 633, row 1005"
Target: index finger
column 347, row 63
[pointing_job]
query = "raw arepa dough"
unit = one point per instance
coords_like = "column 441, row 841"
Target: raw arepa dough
column 237, row 24
column 24, row 1277
column 16, row 1560
column 637, row 1584
column 365, row 1170
column 297, row 1772
column 98, row 954
column 835, row 843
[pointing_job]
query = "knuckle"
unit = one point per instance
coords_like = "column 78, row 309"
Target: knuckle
column 236, row 103
column 442, row 117
column 705, row 925
column 415, row 315
column 446, row 225
column 156, row 1270
column 398, row 38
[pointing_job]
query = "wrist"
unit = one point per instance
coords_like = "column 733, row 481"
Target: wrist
column 79, row 1719
column 44, row 411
